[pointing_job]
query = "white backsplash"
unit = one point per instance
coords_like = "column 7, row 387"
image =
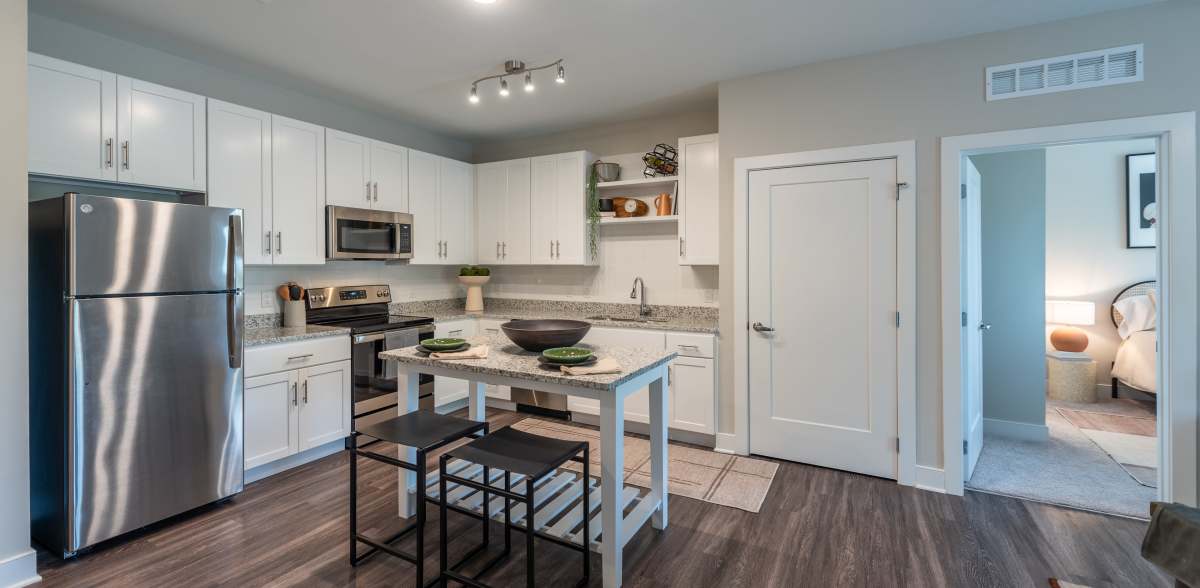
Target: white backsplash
column 407, row 282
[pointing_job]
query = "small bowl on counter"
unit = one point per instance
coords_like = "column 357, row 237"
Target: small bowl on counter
column 538, row 335
column 567, row 355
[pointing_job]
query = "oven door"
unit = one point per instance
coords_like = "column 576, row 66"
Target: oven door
column 359, row 233
column 375, row 387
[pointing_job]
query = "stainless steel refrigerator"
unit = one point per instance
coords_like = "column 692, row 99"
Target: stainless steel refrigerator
column 136, row 318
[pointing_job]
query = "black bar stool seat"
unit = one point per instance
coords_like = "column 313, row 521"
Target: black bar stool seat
column 424, row 431
column 513, row 452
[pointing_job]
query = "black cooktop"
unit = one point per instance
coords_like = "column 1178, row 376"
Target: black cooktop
column 361, row 320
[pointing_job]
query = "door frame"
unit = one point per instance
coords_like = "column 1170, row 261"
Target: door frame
column 905, row 154
column 1177, row 259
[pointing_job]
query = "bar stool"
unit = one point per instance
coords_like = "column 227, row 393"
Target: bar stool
column 513, row 452
column 425, row 431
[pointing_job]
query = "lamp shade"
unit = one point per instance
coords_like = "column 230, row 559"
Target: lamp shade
column 1070, row 312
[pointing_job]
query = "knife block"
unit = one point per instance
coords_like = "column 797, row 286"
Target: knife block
column 293, row 313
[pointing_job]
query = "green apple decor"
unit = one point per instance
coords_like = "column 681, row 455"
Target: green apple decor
column 474, row 277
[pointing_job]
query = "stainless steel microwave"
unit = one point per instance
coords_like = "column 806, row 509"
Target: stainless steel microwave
column 360, row 233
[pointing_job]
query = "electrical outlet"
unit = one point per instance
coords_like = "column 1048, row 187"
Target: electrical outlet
column 266, row 301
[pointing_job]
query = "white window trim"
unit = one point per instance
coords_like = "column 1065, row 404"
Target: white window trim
column 1177, row 257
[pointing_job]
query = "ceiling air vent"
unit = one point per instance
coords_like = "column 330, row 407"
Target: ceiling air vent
column 1069, row 72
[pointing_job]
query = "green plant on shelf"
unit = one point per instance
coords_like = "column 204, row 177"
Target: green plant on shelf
column 474, row 270
column 593, row 212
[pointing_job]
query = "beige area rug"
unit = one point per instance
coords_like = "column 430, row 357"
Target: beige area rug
column 718, row 478
column 1124, row 439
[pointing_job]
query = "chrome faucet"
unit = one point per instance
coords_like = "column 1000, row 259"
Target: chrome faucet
column 642, row 308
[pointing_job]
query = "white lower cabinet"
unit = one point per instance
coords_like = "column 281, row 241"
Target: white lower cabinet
column 447, row 390
column 693, row 395
column 491, row 328
column 293, row 410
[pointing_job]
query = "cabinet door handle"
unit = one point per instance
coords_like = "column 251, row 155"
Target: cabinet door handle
column 375, row 185
column 299, row 357
column 279, row 242
column 504, row 246
column 681, row 248
column 557, row 249
column 368, row 191
column 125, row 154
column 295, row 401
column 551, row 249
column 497, row 250
column 268, row 242
column 108, row 149
column 305, row 391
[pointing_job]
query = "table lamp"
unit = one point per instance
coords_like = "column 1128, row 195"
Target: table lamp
column 1070, row 313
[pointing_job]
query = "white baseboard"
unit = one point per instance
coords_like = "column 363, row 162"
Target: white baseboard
column 1015, row 430
column 267, row 470
column 19, row 570
column 931, row 479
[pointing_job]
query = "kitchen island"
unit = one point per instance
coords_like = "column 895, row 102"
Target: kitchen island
column 509, row 365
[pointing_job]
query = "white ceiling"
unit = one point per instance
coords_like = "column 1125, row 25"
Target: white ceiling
column 415, row 59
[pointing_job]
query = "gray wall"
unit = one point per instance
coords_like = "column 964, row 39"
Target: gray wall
column 1014, row 285
column 609, row 139
column 14, row 367
column 931, row 91
column 67, row 41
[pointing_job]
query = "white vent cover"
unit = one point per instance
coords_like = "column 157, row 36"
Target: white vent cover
column 1119, row 65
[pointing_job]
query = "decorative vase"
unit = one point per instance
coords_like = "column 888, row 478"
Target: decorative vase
column 474, row 286
column 293, row 313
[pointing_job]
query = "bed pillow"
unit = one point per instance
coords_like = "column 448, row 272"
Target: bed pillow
column 1138, row 313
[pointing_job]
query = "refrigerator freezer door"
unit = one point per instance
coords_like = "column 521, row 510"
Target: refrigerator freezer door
column 125, row 246
column 156, row 404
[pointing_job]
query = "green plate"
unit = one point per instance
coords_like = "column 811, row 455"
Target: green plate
column 444, row 344
column 567, row 354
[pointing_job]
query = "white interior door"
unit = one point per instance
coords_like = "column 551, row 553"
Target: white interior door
column 972, row 224
column 822, row 256
column 347, row 169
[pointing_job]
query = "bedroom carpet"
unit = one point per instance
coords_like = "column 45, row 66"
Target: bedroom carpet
column 1069, row 469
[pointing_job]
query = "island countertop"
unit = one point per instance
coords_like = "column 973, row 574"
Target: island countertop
column 508, row 360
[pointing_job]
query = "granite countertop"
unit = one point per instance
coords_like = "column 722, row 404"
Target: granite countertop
column 506, row 359
column 255, row 336
column 665, row 323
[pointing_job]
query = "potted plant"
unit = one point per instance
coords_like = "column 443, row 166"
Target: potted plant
column 474, row 277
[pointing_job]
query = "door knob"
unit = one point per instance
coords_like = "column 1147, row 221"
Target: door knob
column 761, row 328
column 985, row 326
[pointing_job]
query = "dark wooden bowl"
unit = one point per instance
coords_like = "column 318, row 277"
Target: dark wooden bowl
column 542, row 334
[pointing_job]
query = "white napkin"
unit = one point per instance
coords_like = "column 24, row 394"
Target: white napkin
column 606, row 365
column 477, row 352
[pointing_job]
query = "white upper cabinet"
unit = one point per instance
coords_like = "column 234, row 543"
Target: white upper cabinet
column 389, row 177
column 72, row 120
column 423, row 205
column 699, row 162
column 239, row 176
column 160, row 135
column 365, row 173
column 456, row 196
column 298, row 185
column 347, row 169
column 558, row 209
column 441, row 199
column 503, row 212
column 91, row 124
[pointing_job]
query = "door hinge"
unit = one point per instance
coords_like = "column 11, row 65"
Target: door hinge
column 897, row 445
column 964, row 319
column 964, row 446
column 963, row 192
column 897, row 318
column 900, row 186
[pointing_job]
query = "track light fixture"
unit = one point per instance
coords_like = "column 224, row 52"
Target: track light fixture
column 515, row 67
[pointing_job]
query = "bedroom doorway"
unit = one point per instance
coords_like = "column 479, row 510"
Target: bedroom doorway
column 1072, row 341
column 1049, row 262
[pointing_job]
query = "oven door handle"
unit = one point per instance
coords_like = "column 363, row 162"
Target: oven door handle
column 369, row 338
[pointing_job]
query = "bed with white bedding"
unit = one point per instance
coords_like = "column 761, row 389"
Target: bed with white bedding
column 1134, row 315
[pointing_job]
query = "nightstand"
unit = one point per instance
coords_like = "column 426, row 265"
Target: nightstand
column 1070, row 376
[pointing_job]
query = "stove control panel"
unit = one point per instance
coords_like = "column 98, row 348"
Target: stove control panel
column 347, row 296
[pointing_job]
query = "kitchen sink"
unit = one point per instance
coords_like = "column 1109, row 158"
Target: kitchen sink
column 627, row 319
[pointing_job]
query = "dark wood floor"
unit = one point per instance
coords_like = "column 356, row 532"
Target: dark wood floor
column 817, row 527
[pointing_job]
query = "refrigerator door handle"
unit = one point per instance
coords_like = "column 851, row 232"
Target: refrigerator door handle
column 236, row 254
column 233, row 327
